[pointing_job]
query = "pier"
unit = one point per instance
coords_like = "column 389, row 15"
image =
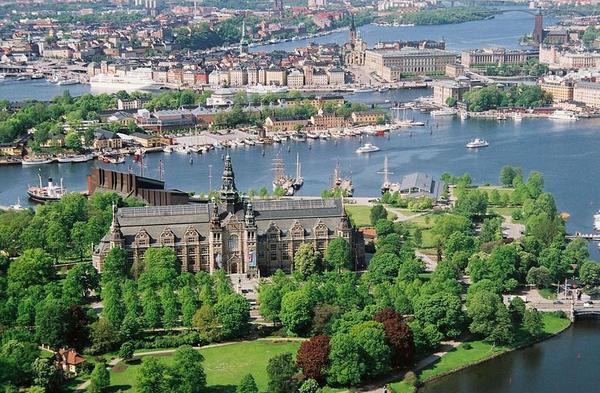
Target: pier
column 595, row 237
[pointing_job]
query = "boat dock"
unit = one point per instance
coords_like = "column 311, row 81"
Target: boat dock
column 595, row 237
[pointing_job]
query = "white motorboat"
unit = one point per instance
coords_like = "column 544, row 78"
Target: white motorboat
column 37, row 160
column 312, row 135
column 597, row 221
column 501, row 117
column 443, row 112
column 464, row 115
column 477, row 143
column 563, row 115
column 367, row 148
column 76, row 158
column 168, row 149
column 298, row 137
column 517, row 117
column 67, row 82
column 324, row 136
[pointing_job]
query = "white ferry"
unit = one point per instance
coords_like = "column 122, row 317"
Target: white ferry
column 67, row 82
column 262, row 89
column 37, row 160
column 477, row 143
column 367, row 148
column 133, row 81
column 443, row 112
column 75, row 158
column 563, row 115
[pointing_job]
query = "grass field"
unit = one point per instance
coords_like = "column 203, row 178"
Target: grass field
column 547, row 293
column 224, row 365
column 480, row 350
column 361, row 215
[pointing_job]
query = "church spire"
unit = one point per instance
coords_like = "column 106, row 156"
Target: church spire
column 229, row 193
column 353, row 34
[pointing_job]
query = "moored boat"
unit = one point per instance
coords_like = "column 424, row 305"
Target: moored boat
column 51, row 192
column 27, row 160
column 367, row 148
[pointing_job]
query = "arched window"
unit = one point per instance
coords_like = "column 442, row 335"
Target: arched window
column 232, row 243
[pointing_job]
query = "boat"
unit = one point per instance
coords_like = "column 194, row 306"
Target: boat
column 298, row 137
column 364, row 90
column 75, row 158
column 464, row 115
column 37, row 76
column 262, row 89
column 443, row 112
column 517, row 117
column 477, row 143
column 249, row 142
column 276, row 138
column 367, row 148
column 37, row 160
column 417, row 124
column 383, row 89
column 138, row 79
column 312, row 135
column 501, row 117
column 168, row 149
column 49, row 193
column 340, row 184
column 183, row 149
column 563, row 115
column 324, row 136
column 298, row 181
column 108, row 159
column 23, row 78
column 17, row 206
column 67, row 82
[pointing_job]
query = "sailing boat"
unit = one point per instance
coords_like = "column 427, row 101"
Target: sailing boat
column 298, row 180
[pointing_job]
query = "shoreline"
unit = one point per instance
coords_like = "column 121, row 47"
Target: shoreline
column 437, row 377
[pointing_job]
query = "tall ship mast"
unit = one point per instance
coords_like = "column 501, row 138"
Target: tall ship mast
column 388, row 186
column 280, row 179
column 298, row 180
column 341, row 183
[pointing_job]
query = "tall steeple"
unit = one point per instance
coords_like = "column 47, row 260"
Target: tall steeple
column 229, row 193
column 243, row 42
column 353, row 35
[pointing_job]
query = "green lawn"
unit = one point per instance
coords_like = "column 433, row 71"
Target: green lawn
column 361, row 215
column 224, row 365
column 480, row 350
column 547, row 293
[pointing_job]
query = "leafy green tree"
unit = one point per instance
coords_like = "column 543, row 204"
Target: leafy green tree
column 160, row 267
column 16, row 360
column 384, row 268
column 491, row 230
column 152, row 309
column 427, row 337
column 502, row 332
column 370, row 338
column 189, row 305
column 115, row 265
column 443, row 310
column 552, row 259
column 80, row 281
column 126, row 351
column 170, row 306
column 539, row 276
column 46, row 375
column 112, row 300
column 589, row 273
column 307, row 260
column 103, row 335
column 206, row 322
column 445, row 225
column 508, row 174
column 535, row 184
column 378, row 212
column 296, row 312
column 233, row 313
column 516, row 309
column 533, row 323
column 187, row 373
column 152, row 376
column 472, row 204
column 247, row 385
column 384, row 227
column 73, row 141
column 19, row 271
column 338, row 254
column 346, row 366
column 544, row 228
column 50, row 322
column 481, row 309
column 281, row 373
column 576, row 252
column 100, row 379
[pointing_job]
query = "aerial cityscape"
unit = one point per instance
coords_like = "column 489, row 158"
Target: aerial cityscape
column 305, row 196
